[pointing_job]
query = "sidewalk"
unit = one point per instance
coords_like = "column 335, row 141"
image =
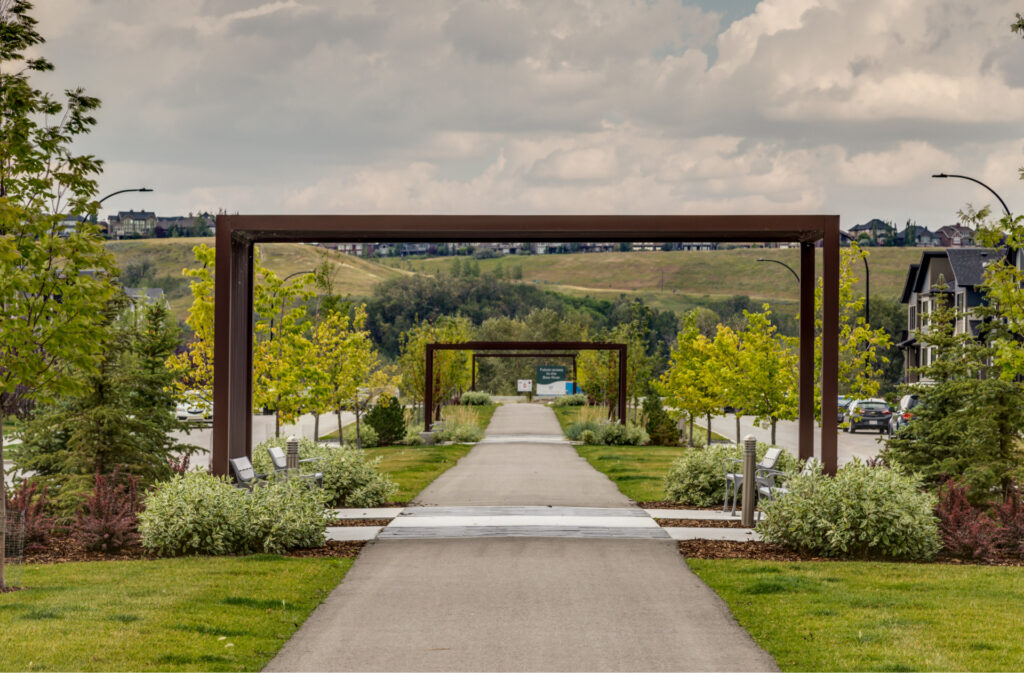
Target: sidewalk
column 498, row 602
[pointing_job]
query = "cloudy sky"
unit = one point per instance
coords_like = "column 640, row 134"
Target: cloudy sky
column 581, row 106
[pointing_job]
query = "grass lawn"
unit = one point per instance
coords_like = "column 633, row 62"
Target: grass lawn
column 851, row 616
column 199, row 613
column 638, row 471
column 413, row 467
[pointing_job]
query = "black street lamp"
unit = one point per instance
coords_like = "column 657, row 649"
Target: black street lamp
column 867, row 284
column 795, row 275
column 967, row 177
column 120, row 191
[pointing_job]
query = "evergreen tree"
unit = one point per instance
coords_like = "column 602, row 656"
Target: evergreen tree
column 387, row 418
column 123, row 416
column 968, row 422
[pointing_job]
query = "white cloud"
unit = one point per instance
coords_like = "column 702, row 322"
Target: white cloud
column 576, row 106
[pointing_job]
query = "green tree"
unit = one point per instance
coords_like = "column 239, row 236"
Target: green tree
column 732, row 375
column 691, row 383
column 769, row 364
column 862, row 348
column 122, row 416
column 387, row 417
column 451, row 368
column 968, row 423
column 50, row 308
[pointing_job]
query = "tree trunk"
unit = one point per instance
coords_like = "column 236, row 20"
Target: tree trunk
column 277, row 423
column 340, row 438
column 739, row 440
column 689, row 439
column 3, row 508
column 359, row 438
column 316, row 426
column 707, row 441
column 774, row 421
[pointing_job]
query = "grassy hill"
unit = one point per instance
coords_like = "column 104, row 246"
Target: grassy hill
column 668, row 280
column 673, row 279
column 353, row 275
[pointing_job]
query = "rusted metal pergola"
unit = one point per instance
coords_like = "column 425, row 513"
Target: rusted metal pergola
column 237, row 234
column 481, row 356
column 428, row 393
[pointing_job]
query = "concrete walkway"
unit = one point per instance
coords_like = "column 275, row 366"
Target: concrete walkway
column 521, row 603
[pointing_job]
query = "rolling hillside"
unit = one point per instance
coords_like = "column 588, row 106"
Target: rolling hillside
column 667, row 280
column 169, row 256
column 673, row 279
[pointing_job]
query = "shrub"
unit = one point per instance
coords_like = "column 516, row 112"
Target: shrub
column 351, row 478
column 461, row 424
column 698, row 477
column 1011, row 519
column 588, row 437
column 32, row 500
column 660, row 426
column 576, row 430
column 574, row 400
column 617, row 434
column 197, row 513
column 967, row 532
column 477, row 399
column 367, row 434
column 107, row 519
column 862, row 512
column 387, row 418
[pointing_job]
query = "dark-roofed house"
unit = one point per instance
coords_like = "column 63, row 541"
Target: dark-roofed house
column 961, row 270
column 147, row 294
column 955, row 236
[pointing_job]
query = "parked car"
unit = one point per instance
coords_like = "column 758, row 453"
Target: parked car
column 903, row 413
column 869, row 414
column 193, row 408
column 844, row 403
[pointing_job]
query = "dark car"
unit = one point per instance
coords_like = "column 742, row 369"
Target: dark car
column 904, row 412
column 871, row 414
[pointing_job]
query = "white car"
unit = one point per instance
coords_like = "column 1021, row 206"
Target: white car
column 193, row 408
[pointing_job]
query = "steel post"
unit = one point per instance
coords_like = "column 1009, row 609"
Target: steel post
column 749, row 497
column 806, row 410
column 830, row 348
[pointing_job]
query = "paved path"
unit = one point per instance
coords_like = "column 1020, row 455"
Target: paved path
column 864, row 445
column 501, row 603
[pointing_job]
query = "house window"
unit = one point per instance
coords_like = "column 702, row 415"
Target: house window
column 912, row 322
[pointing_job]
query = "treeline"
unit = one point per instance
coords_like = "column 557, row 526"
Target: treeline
column 399, row 304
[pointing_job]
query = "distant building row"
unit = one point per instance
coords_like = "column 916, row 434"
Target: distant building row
column 146, row 224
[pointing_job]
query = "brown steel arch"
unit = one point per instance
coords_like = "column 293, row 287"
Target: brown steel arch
column 428, row 372
column 236, row 235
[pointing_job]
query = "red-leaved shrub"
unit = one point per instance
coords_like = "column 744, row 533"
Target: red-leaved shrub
column 1011, row 519
column 32, row 501
column 107, row 520
column 179, row 465
column 967, row 532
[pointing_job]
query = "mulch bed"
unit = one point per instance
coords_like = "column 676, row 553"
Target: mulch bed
column 333, row 549
column 764, row 551
column 64, row 549
column 727, row 549
column 669, row 504
column 360, row 522
column 699, row 523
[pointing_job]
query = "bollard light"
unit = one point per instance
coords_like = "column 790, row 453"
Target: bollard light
column 749, row 460
column 292, row 453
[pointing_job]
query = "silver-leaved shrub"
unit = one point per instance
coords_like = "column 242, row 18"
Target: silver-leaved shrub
column 197, row 513
column 862, row 512
column 475, row 398
column 698, row 477
column 351, row 478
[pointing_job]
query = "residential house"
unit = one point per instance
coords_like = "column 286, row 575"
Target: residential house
column 961, row 271
column 955, row 236
column 131, row 224
column 917, row 236
column 145, row 294
column 876, row 231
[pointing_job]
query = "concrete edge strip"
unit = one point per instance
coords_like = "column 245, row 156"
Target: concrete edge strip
column 525, row 510
column 458, row 532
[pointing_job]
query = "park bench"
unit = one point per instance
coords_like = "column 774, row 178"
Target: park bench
column 734, row 479
column 768, row 480
column 245, row 475
column 281, row 469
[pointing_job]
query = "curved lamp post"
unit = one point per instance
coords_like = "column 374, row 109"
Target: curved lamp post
column 120, row 191
column 867, row 284
column 795, row 275
column 967, row 177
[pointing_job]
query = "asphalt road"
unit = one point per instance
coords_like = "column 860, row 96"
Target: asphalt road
column 862, row 444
